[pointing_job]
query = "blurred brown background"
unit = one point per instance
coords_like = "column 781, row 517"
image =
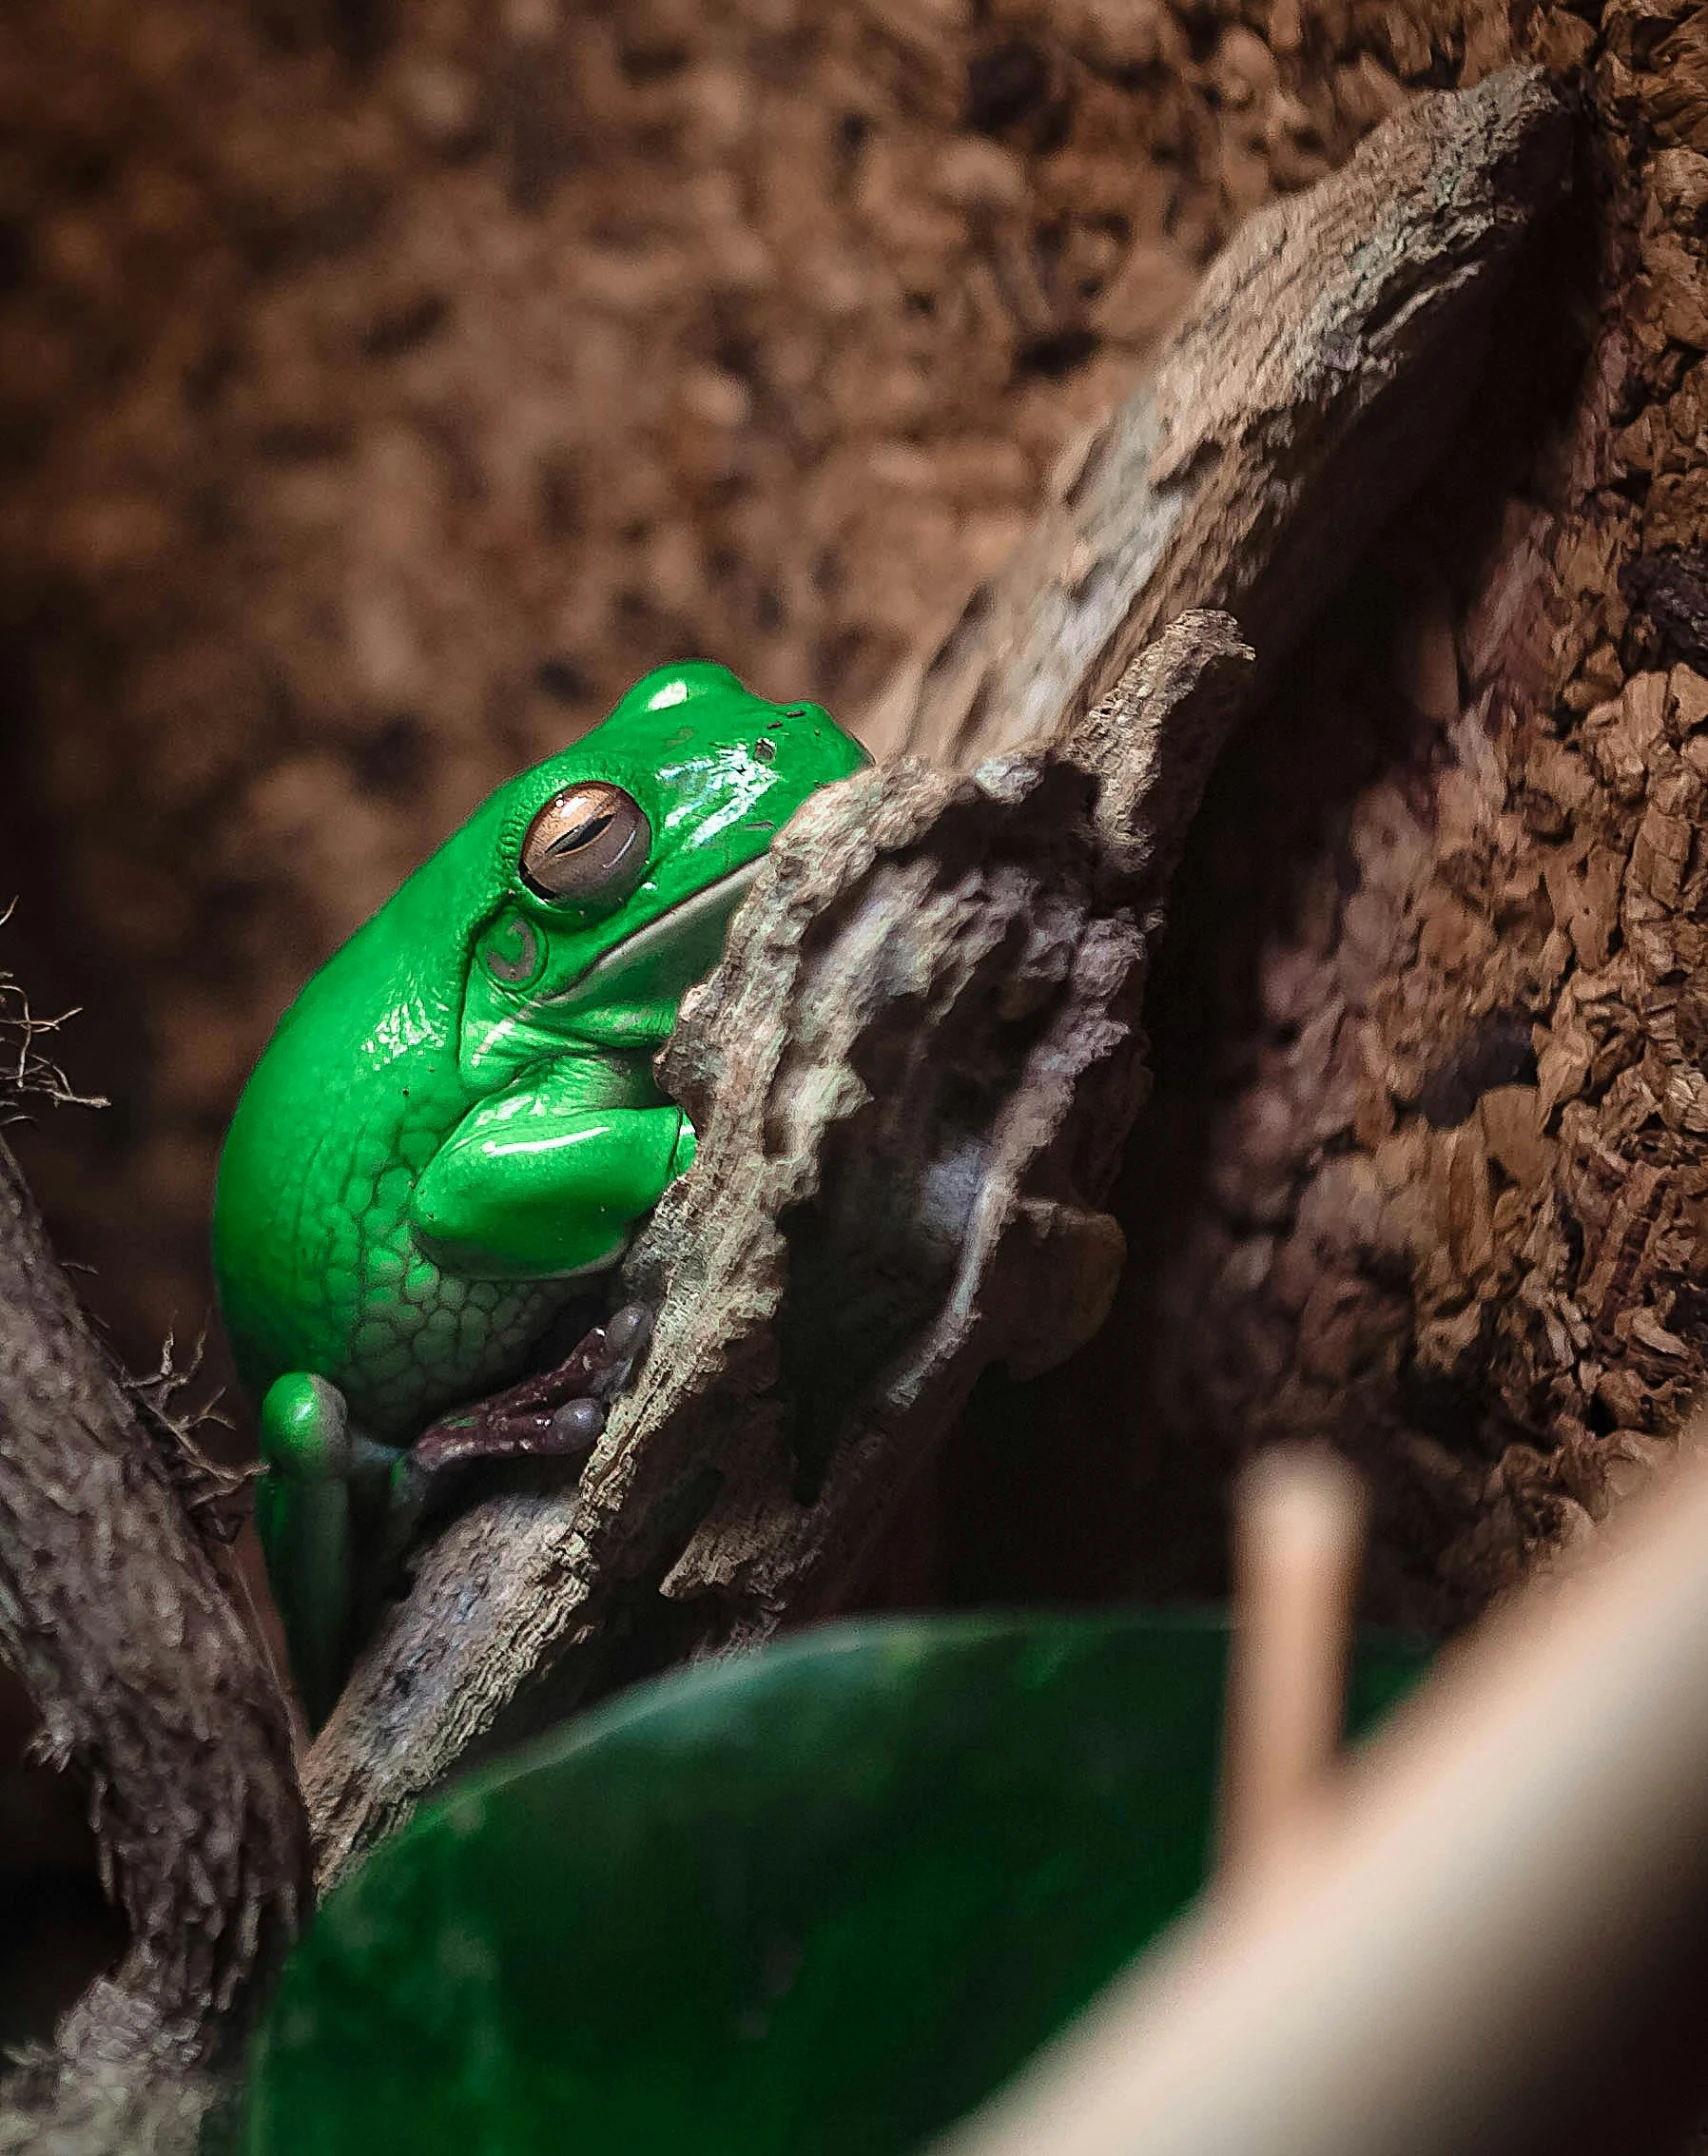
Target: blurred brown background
column 383, row 386
column 386, row 385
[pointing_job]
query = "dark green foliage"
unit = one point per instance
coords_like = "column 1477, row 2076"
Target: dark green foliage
column 821, row 1899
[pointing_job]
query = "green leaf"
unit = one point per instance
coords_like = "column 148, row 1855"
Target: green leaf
column 823, row 1898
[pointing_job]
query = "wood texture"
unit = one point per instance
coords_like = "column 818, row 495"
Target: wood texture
column 913, row 1074
column 1309, row 390
column 114, row 1611
column 1424, row 1171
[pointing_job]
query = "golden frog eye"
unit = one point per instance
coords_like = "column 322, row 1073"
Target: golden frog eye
column 589, row 842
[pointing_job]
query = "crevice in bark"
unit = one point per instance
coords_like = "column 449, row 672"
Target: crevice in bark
column 1423, row 1167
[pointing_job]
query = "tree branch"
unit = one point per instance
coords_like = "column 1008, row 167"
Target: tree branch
column 912, row 1075
column 117, row 1617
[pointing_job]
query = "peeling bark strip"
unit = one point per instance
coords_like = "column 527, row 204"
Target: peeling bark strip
column 1308, row 392
column 113, row 1612
column 913, row 1074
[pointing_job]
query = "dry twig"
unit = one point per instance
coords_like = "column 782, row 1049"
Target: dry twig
column 1298, row 1539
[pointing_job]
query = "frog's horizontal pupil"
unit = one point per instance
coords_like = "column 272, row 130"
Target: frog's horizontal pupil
column 583, row 835
column 589, row 842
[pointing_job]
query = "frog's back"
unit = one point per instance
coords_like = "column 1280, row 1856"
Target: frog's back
column 383, row 1054
column 354, row 1094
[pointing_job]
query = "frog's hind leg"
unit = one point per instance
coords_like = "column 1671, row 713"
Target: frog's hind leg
column 320, row 1477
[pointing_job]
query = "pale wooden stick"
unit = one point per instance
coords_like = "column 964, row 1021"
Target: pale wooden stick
column 1521, row 1856
column 1298, row 1542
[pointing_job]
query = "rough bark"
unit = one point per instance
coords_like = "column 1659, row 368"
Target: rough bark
column 115, row 1611
column 1424, row 1171
column 913, row 1074
column 1309, row 390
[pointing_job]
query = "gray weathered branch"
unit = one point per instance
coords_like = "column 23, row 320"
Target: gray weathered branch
column 116, row 1615
column 912, row 1073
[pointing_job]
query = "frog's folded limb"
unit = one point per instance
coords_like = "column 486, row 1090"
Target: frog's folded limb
column 316, row 1470
column 555, row 1414
column 529, row 1187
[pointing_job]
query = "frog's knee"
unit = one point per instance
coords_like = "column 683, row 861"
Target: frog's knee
column 305, row 1429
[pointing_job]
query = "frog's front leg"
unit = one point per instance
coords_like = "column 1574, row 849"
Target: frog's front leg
column 536, row 1186
column 322, row 1480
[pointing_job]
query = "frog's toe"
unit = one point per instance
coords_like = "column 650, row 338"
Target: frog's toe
column 305, row 1428
column 628, row 1334
column 555, row 1414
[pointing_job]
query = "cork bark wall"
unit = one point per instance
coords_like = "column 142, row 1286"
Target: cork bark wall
column 1424, row 1171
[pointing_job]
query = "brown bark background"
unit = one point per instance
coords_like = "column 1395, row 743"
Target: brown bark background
column 382, row 387
column 1424, row 1167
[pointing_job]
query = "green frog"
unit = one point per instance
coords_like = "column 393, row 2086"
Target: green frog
column 456, row 1128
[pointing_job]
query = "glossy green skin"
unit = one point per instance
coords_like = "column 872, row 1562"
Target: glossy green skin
column 457, row 1118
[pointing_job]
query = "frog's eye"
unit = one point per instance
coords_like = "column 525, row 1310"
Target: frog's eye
column 589, row 842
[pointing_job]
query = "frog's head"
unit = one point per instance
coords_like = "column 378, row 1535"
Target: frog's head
column 619, row 863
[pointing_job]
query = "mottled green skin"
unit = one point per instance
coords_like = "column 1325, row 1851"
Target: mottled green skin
column 314, row 1245
column 457, row 1118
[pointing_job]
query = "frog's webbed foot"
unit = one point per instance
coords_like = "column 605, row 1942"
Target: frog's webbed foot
column 557, row 1415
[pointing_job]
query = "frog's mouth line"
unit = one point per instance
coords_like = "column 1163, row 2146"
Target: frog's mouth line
column 670, row 930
